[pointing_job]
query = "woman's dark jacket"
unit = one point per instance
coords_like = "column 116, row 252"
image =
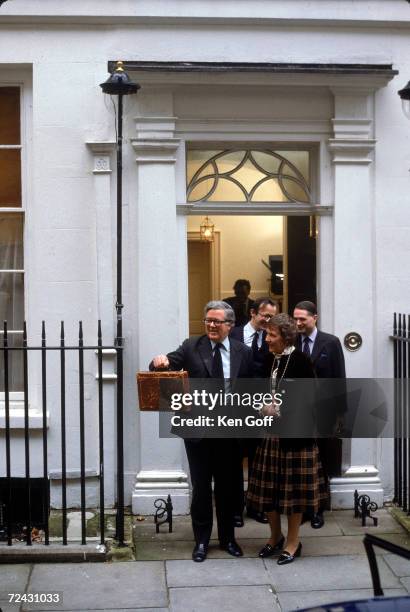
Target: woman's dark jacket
column 298, row 405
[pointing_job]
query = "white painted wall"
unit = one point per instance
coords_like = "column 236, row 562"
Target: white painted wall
column 67, row 109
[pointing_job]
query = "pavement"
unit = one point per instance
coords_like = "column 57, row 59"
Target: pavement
column 162, row 577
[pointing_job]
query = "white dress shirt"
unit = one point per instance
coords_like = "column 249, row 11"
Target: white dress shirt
column 312, row 338
column 248, row 334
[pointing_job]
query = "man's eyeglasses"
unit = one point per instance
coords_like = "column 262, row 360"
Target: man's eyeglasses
column 265, row 316
column 215, row 321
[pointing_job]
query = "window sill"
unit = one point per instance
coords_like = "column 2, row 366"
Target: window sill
column 17, row 417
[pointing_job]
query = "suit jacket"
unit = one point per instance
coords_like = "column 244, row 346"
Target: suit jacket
column 327, row 356
column 329, row 362
column 260, row 357
column 195, row 356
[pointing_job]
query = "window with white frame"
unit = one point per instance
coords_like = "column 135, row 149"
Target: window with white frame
column 11, row 233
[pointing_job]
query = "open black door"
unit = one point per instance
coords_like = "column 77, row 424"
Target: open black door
column 301, row 262
column 302, row 286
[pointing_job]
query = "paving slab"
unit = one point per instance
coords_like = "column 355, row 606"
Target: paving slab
column 164, row 551
column 330, row 528
column 406, row 583
column 145, row 530
column 182, row 529
column 228, row 599
column 346, row 545
column 351, row 526
column 101, row 586
column 5, row 606
column 13, row 579
column 329, row 573
column 400, row 566
column 296, row 601
column 312, row 546
column 217, row 572
column 54, row 553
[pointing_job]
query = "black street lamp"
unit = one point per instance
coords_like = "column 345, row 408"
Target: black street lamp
column 119, row 84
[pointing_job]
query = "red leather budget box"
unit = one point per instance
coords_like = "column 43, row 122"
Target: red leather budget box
column 156, row 388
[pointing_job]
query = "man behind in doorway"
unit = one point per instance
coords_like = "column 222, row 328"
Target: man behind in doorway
column 326, row 353
column 241, row 302
column 253, row 334
column 213, row 355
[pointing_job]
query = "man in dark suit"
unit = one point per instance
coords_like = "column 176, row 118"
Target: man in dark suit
column 326, row 353
column 241, row 302
column 253, row 334
column 213, row 355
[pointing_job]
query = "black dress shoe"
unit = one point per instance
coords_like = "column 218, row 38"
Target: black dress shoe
column 260, row 517
column 232, row 548
column 317, row 521
column 268, row 550
column 237, row 520
column 199, row 553
column 287, row 557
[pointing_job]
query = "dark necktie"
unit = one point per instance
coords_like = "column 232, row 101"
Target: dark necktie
column 306, row 348
column 217, row 368
column 255, row 347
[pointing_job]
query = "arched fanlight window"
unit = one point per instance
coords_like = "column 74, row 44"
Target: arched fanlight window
column 248, row 175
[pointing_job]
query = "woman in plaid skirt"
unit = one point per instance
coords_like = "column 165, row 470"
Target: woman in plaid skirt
column 287, row 476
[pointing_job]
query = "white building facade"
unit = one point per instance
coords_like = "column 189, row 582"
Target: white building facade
column 299, row 75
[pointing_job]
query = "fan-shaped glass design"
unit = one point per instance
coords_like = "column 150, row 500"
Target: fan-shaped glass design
column 248, row 175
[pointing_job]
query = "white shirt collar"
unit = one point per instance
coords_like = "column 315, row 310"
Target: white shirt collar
column 249, row 329
column 225, row 343
column 312, row 336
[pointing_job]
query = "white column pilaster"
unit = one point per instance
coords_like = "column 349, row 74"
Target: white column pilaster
column 162, row 460
column 102, row 153
column 352, row 149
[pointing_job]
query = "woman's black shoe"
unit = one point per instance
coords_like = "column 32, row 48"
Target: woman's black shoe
column 268, row 550
column 286, row 557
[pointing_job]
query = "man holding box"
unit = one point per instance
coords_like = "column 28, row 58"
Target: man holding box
column 213, row 355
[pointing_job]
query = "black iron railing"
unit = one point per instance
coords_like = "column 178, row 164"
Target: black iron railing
column 401, row 339
column 9, row 522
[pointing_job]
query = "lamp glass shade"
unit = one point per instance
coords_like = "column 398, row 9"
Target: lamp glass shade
column 119, row 83
column 206, row 230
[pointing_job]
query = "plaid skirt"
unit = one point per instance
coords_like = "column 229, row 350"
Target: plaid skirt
column 286, row 481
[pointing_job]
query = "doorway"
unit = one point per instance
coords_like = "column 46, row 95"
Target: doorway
column 277, row 254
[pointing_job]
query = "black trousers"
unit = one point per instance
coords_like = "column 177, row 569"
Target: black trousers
column 212, row 459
